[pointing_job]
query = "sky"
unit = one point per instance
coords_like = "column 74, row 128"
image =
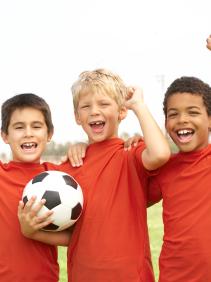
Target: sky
column 46, row 44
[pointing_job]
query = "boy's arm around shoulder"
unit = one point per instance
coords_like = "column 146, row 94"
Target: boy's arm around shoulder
column 157, row 151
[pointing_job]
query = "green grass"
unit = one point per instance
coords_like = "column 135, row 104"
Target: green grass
column 63, row 264
column 155, row 233
column 155, row 225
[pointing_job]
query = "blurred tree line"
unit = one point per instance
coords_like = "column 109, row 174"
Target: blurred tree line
column 55, row 151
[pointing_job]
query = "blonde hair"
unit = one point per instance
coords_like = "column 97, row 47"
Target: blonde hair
column 99, row 81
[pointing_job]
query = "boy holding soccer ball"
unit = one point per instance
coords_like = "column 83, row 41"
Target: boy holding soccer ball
column 110, row 240
column 26, row 127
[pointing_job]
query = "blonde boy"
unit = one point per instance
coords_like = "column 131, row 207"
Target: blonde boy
column 110, row 241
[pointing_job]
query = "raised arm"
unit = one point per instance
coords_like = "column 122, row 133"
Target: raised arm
column 157, row 150
column 209, row 42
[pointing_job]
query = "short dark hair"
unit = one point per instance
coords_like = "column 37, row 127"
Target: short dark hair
column 21, row 101
column 192, row 85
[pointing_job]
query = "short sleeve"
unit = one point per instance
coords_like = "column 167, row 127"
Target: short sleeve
column 154, row 193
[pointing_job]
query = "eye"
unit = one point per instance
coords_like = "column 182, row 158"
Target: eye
column 19, row 127
column 194, row 113
column 84, row 107
column 104, row 104
column 172, row 115
column 37, row 125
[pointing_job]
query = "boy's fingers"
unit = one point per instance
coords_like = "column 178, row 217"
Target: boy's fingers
column 76, row 153
column 20, row 208
column 40, row 222
column 44, row 218
column 209, row 42
column 77, row 157
column 21, row 205
column 43, row 224
column 29, row 203
column 127, row 145
column 80, row 155
column 36, row 208
column 83, row 152
column 74, row 160
column 31, row 208
column 73, row 156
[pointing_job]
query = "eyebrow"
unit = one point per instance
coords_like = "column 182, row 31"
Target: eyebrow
column 188, row 108
column 22, row 123
column 17, row 123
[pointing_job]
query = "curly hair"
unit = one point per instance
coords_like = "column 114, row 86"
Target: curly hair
column 192, row 85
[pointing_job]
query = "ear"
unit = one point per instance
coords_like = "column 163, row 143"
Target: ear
column 122, row 113
column 165, row 124
column 50, row 134
column 77, row 118
column 4, row 136
column 209, row 124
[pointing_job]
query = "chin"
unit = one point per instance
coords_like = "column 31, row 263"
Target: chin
column 97, row 139
column 186, row 148
column 30, row 159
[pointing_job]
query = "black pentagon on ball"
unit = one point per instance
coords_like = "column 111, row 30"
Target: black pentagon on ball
column 70, row 181
column 25, row 200
column 76, row 211
column 52, row 199
column 39, row 177
column 50, row 227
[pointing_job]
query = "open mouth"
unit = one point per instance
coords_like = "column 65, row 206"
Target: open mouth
column 97, row 126
column 29, row 146
column 185, row 135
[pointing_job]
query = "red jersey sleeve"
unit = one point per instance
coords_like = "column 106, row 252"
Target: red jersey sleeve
column 154, row 193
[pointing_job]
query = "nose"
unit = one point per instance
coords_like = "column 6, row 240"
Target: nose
column 183, row 118
column 28, row 131
column 94, row 110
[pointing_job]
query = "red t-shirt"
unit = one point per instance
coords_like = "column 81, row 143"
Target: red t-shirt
column 110, row 241
column 185, row 185
column 21, row 259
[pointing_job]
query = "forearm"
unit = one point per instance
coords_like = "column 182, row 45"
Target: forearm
column 60, row 238
column 157, row 148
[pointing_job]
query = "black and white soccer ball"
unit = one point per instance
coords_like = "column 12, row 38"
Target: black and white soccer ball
column 63, row 195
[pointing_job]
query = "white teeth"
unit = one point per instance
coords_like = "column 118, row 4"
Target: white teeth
column 29, row 145
column 96, row 122
column 184, row 131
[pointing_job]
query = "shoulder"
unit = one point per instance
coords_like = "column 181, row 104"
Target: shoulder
column 6, row 166
column 113, row 143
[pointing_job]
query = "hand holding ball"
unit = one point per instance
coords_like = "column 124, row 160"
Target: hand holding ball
column 63, row 196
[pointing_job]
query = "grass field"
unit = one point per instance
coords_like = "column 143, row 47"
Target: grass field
column 155, row 225
column 155, row 233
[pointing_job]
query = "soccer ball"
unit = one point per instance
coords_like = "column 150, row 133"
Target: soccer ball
column 63, row 195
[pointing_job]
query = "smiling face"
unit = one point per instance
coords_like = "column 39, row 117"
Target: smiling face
column 187, row 121
column 99, row 115
column 27, row 135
